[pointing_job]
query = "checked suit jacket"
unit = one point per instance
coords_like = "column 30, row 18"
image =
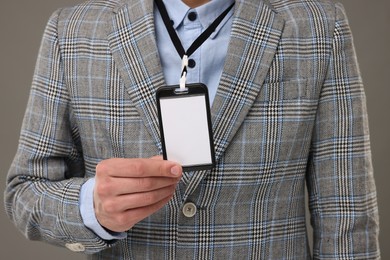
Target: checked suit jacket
column 289, row 111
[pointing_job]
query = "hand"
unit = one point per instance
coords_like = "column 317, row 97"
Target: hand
column 129, row 190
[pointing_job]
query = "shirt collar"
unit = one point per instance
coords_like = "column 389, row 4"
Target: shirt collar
column 207, row 13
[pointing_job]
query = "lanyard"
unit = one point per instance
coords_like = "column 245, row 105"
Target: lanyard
column 195, row 45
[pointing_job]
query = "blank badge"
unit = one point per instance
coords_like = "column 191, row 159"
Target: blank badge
column 185, row 126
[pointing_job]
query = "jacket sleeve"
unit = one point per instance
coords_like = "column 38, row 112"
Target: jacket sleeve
column 44, row 181
column 342, row 193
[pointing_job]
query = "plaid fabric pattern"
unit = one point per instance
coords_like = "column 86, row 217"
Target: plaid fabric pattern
column 290, row 110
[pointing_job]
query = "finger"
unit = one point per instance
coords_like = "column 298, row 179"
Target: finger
column 136, row 200
column 115, row 186
column 138, row 168
column 138, row 214
column 127, row 219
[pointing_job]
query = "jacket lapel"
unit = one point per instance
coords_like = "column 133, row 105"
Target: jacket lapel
column 255, row 36
column 133, row 45
column 254, row 40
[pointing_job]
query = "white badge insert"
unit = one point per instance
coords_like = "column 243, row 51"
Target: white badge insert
column 186, row 130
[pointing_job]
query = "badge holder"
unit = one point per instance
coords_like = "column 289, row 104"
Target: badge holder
column 185, row 126
column 184, row 110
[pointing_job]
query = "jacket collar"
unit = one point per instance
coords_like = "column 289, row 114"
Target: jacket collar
column 255, row 35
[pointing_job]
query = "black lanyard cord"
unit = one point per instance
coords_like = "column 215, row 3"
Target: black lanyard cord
column 199, row 41
column 172, row 33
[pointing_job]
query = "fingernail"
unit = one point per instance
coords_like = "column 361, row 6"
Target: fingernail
column 175, row 170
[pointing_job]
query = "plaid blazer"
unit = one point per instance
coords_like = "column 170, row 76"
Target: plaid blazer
column 289, row 111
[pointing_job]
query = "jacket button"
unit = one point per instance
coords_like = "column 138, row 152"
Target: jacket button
column 75, row 247
column 189, row 209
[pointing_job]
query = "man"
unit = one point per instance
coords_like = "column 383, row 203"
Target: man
column 288, row 108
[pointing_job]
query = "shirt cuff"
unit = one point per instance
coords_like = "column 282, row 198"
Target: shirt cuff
column 88, row 213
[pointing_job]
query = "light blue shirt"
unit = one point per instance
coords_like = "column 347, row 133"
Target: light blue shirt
column 207, row 61
column 210, row 56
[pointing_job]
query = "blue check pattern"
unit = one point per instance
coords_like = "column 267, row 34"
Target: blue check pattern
column 289, row 111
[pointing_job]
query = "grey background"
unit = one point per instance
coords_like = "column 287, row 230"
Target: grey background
column 21, row 27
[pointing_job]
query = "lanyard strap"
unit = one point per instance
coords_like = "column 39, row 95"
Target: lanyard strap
column 197, row 43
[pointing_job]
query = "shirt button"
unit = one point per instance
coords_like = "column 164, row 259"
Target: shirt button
column 75, row 247
column 192, row 16
column 189, row 209
column 191, row 63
